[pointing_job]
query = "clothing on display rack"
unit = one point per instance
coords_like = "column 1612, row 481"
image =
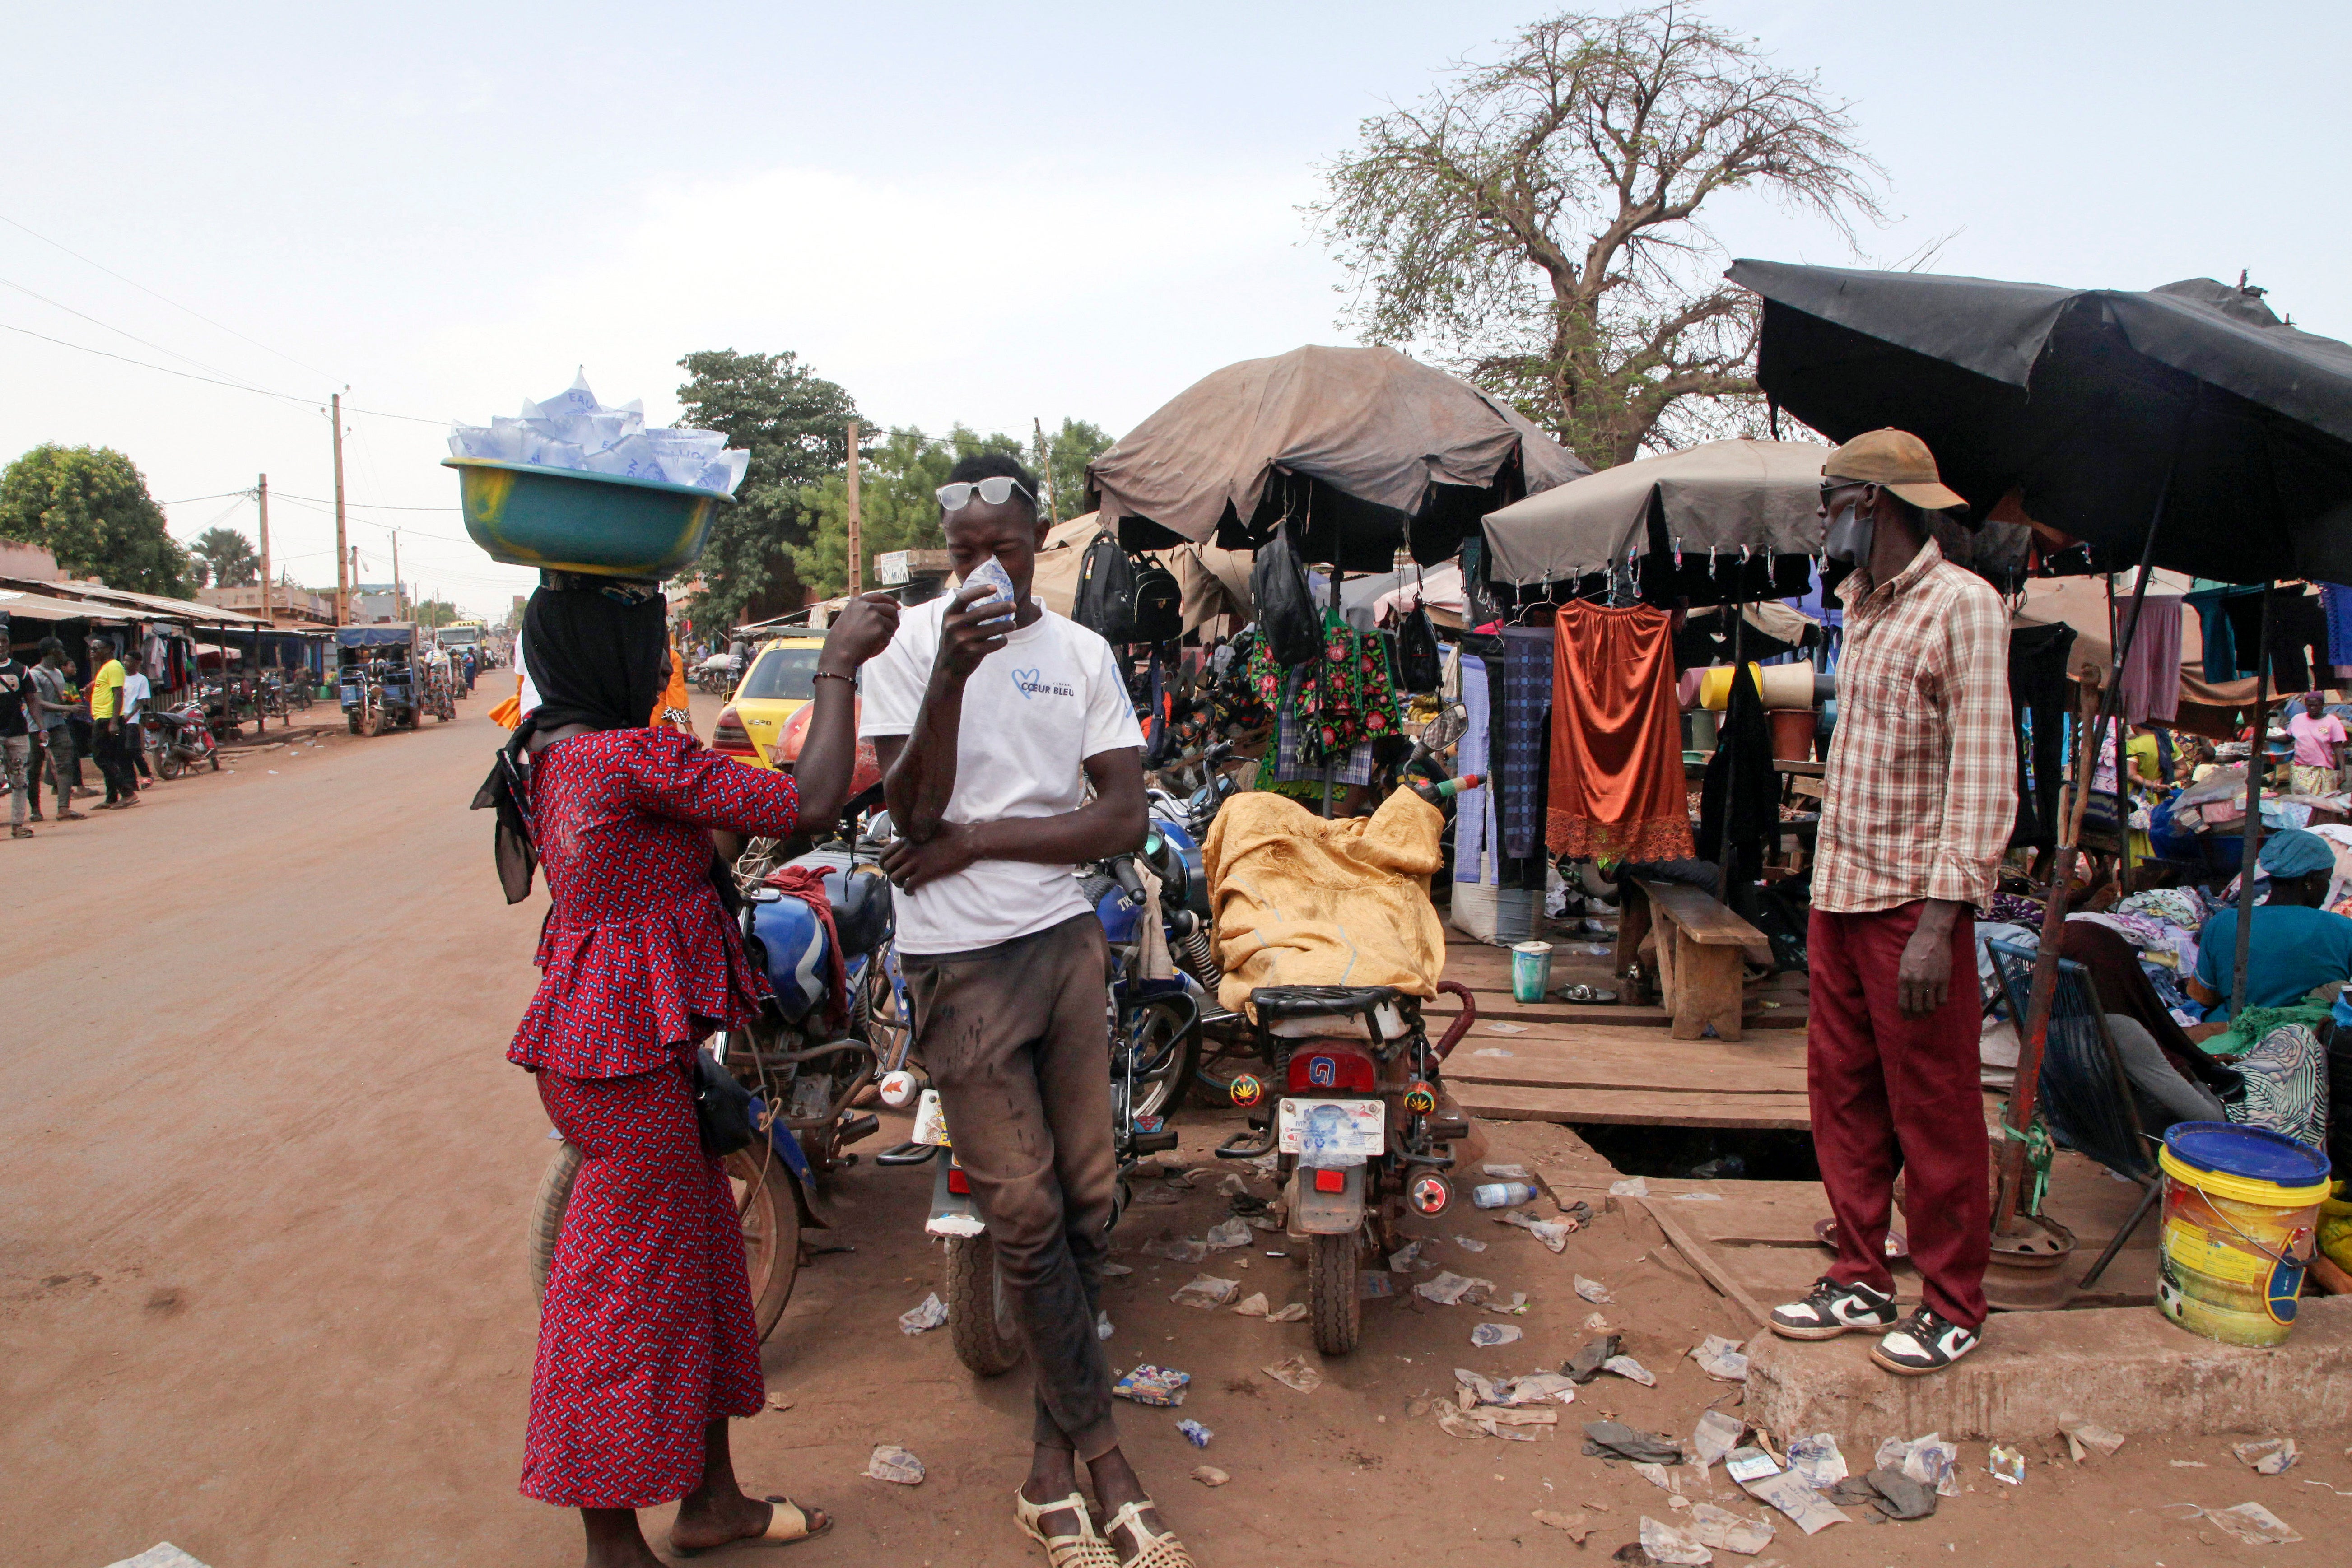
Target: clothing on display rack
column 1527, row 714
column 1741, row 791
column 1506, row 779
column 2221, row 640
column 2039, row 694
column 1346, row 697
column 1474, row 814
column 2151, row 683
column 1616, row 790
column 2298, row 628
column 2335, row 604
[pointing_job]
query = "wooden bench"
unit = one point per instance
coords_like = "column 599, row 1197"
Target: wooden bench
column 1700, row 943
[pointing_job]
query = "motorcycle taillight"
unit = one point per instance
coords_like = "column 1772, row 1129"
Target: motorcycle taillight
column 1332, row 1065
column 958, row 1182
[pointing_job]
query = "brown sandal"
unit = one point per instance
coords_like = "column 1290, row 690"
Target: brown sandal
column 787, row 1522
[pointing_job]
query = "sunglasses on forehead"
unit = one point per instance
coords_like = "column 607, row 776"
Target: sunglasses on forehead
column 996, row 489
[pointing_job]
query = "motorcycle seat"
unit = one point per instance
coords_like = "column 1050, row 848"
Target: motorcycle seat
column 1272, row 1002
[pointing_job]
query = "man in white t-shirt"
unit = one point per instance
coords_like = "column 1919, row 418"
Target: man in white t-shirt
column 991, row 727
column 137, row 692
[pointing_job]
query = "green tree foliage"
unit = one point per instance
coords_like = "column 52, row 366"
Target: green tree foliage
column 225, row 557
column 436, row 613
column 1067, row 453
column 795, row 424
column 88, row 507
column 1540, row 219
column 896, row 506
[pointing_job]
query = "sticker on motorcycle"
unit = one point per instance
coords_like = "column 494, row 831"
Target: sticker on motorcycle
column 1331, row 1131
column 931, row 1121
column 1247, row 1090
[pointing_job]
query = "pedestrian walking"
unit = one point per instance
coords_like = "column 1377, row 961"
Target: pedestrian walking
column 52, row 702
column 137, row 692
column 991, row 721
column 646, row 1342
column 17, row 739
column 106, row 725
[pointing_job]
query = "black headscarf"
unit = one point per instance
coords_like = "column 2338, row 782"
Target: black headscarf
column 597, row 652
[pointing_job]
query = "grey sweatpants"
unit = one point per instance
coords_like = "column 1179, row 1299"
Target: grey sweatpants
column 1016, row 1038
column 2156, row 1080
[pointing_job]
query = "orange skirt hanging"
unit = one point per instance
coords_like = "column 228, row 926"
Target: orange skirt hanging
column 1617, row 790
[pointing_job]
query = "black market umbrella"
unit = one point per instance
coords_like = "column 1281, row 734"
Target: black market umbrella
column 2080, row 403
column 1364, row 450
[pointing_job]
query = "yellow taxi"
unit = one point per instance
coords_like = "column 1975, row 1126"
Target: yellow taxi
column 779, row 683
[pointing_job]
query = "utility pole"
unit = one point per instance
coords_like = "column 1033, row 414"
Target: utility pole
column 399, row 600
column 343, row 580
column 343, row 611
column 1045, row 471
column 856, row 550
column 262, row 491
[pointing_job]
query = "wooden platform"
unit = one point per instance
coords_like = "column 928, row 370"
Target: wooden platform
column 1576, row 1072
column 1486, row 971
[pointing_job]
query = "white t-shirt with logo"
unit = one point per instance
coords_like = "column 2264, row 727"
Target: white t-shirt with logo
column 1034, row 712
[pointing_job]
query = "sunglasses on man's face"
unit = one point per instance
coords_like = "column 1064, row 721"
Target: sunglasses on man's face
column 996, row 489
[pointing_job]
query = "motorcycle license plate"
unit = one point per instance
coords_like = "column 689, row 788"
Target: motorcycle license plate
column 1352, row 1128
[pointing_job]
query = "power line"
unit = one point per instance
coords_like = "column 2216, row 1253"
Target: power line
column 93, row 321
column 210, row 381
column 372, row 506
column 191, row 500
column 199, row 315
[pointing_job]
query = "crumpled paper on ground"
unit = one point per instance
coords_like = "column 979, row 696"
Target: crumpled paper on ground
column 1721, row 1358
column 923, row 1317
column 1665, row 1543
column 1729, row 1532
column 1295, row 1373
column 2249, row 1521
column 1806, row 1507
column 1163, row 1386
column 891, row 1463
column 1205, row 1291
column 1928, row 1460
column 1816, row 1457
column 1448, row 1288
column 1592, row 1290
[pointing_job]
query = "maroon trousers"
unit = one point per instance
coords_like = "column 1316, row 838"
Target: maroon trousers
column 1894, row 1093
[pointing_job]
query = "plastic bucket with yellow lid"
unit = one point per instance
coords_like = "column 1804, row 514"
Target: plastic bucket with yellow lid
column 2240, row 1208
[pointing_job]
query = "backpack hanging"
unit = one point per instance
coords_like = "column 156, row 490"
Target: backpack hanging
column 1287, row 620
column 1158, row 602
column 1105, row 602
column 1418, row 670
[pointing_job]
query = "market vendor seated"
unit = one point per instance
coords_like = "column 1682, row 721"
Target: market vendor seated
column 2296, row 947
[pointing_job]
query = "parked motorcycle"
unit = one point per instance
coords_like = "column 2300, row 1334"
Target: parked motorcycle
column 178, row 739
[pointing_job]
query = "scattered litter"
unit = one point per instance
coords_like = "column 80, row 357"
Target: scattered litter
column 1232, row 1233
column 1891, row 1492
column 1449, row 1289
column 1578, row 1214
column 1175, row 1248
column 780, row 1402
column 1481, row 1051
column 1489, row 1335
column 2252, row 1524
column 1928, row 1460
column 1205, row 1291
column 1627, row 1367
column 1586, row 1364
column 1716, row 1435
column 1514, row 1426
column 1721, row 1358
column 1516, row 1307
column 162, row 1554
column 1577, row 1529
column 1719, row 1527
column 1405, row 1259
column 1502, row 1195
column 1157, row 1385
column 2007, row 1464
column 1234, row 1185
column 1469, row 1244
column 1295, row 1373
column 1746, row 1465
column 1665, row 1543
column 1103, row 1329
column 1507, row 1172
column 1635, row 1188
column 1370, row 1285
column 1195, row 1434
column 2268, row 1455
column 1538, row 1388
column 2082, row 1435
column 889, row 1462
column 1698, row 1198
column 1252, row 1306
column 1596, row 1322
column 1209, row 1476
column 1160, row 1194
column 1295, row 1312
column 1807, row 1509
column 1552, row 1233
column 1507, row 1028
column 1659, row 1477
column 2187, row 1464
column 1113, row 1271
column 1615, row 1440
column 1592, row 1290
column 1817, row 1459
column 924, row 1318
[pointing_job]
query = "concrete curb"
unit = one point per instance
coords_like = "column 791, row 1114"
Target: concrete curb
column 2121, row 1367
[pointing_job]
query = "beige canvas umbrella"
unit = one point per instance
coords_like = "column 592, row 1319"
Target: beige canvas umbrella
column 1761, row 496
column 1055, row 582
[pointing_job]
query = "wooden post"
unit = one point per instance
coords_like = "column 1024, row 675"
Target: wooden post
column 399, row 604
column 342, row 580
column 856, row 541
column 262, row 493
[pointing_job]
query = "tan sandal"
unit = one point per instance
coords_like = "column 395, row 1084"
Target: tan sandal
column 1083, row 1550
column 787, row 1522
column 1161, row 1551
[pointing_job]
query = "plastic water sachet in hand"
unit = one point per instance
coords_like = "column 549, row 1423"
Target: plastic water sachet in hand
column 573, row 430
column 991, row 575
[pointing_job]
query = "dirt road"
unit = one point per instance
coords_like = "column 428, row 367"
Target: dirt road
column 262, row 1289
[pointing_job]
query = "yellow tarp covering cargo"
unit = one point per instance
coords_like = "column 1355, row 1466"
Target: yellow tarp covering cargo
column 1301, row 902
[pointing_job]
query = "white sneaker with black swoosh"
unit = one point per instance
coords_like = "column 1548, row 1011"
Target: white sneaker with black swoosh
column 1831, row 1309
column 1923, row 1343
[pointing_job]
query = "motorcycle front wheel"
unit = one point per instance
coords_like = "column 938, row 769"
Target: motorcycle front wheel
column 763, row 1191
column 1166, row 1054
column 1335, row 1303
column 979, row 1313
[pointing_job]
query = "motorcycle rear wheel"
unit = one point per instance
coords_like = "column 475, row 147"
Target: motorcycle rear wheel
column 763, row 1196
column 1166, row 1056
column 168, row 764
column 979, row 1313
column 1335, row 1303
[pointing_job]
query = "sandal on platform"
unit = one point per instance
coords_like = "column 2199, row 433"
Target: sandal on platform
column 1161, row 1550
column 1083, row 1550
column 787, row 1522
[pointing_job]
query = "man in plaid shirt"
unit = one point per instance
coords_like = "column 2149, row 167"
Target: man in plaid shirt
column 1920, row 798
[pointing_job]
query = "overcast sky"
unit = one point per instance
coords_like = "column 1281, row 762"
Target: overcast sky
column 960, row 212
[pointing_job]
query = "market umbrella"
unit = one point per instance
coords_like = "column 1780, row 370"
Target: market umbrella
column 2083, row 402
column 1366, row 448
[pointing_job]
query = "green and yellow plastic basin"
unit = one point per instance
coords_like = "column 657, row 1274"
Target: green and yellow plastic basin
column 564, row 520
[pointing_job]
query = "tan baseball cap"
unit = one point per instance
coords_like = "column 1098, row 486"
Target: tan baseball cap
column 1898, row 460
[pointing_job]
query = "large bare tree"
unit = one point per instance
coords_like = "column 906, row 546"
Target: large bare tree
column 1536, row 220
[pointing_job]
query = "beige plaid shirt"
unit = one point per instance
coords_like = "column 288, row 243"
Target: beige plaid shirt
column 1921, row 785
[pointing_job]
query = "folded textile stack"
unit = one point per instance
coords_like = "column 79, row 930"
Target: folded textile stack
column 573, row 430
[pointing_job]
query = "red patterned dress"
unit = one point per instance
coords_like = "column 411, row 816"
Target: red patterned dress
column 647, row 1332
